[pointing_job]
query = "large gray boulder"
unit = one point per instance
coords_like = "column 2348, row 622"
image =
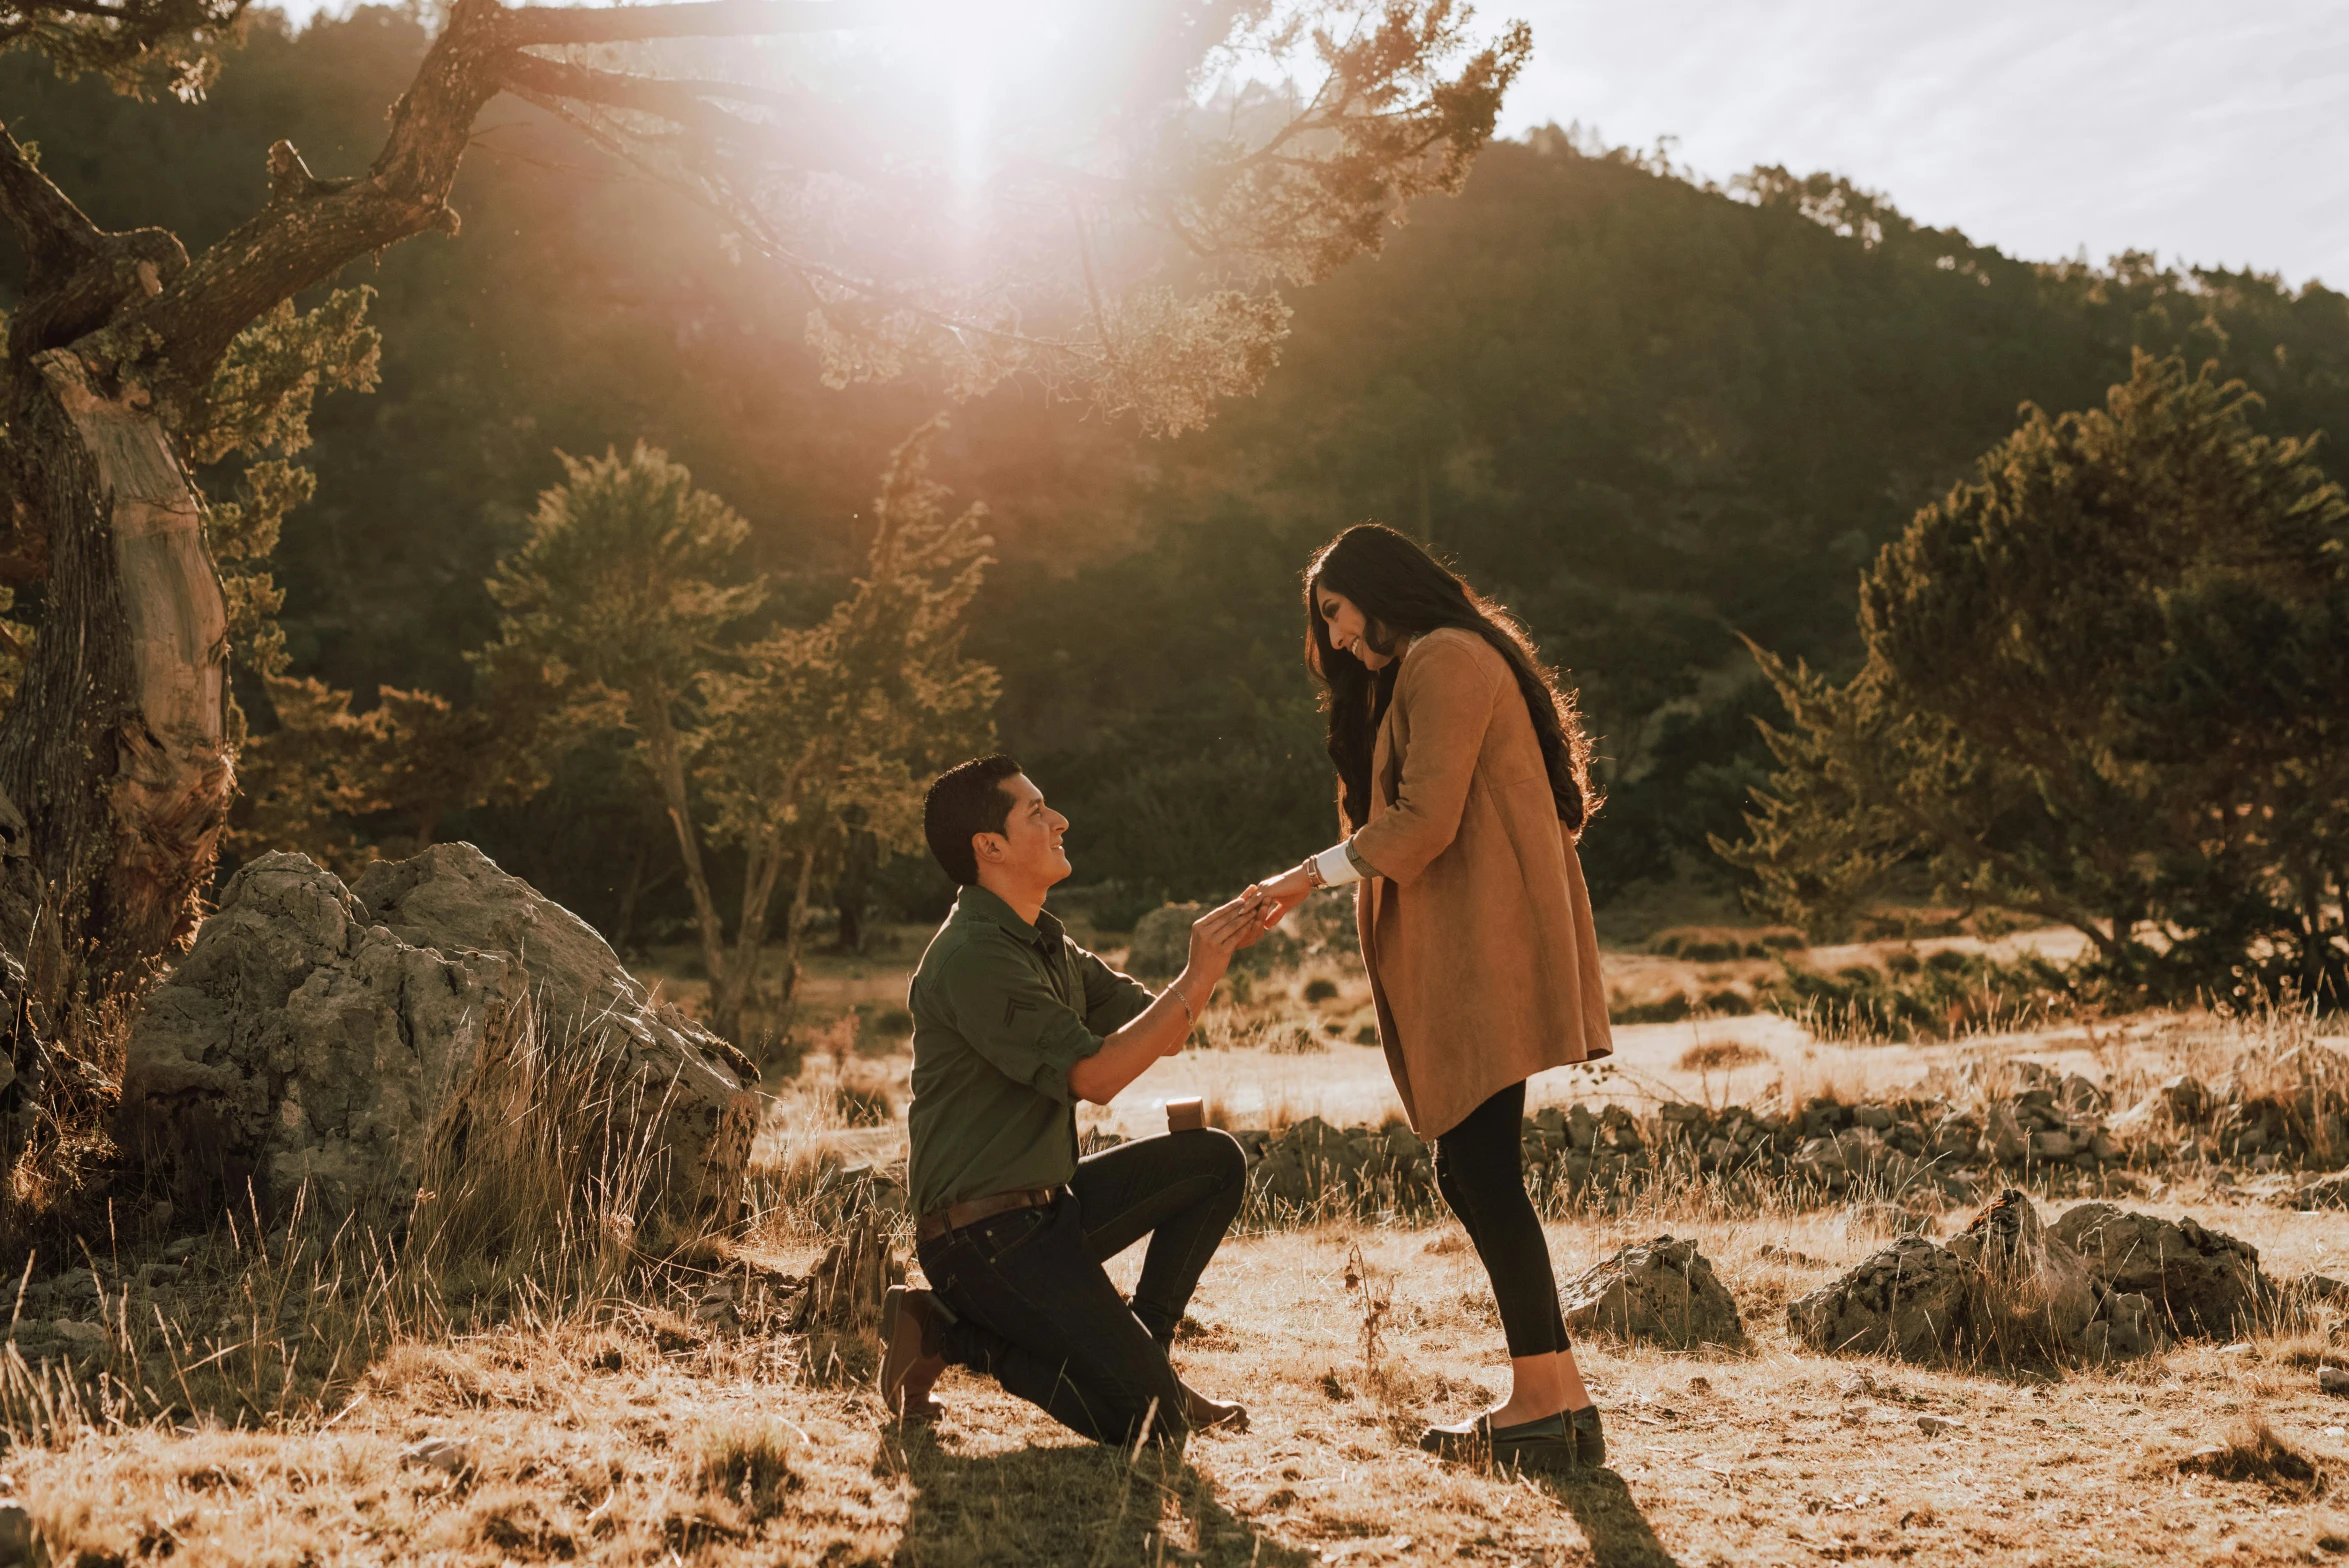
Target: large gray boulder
column 1662, row 1291
column 325, row 1037
column 2200, row 1281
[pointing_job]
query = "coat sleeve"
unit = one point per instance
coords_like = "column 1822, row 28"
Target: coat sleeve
column 1447, row 692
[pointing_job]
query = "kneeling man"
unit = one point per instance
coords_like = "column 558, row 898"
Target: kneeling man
column 1013, row 1024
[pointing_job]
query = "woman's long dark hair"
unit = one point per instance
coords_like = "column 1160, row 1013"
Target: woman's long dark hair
column 1402, row 591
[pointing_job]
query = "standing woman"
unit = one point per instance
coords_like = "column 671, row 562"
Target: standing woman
column 1462, row 784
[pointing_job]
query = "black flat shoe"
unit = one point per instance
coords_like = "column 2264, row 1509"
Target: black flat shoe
column 1445, row 1443
column 1590, row 1442
column 1544, row 1447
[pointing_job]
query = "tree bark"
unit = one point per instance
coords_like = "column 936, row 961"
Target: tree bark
column 115, row 747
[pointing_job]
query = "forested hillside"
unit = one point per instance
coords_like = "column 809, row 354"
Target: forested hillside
column 1652, row 416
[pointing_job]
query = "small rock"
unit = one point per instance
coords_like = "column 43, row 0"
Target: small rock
column 1908, row 1300
column 21, row 1545
column 2005, row 1136
column 2321, row 1287
column 2035, row 1293
column 1663, row 1291
column 451, row 1455
column 2203, row 1281
column 2333, row 1380
column 81, row 1339
column 183, row 1249
column 2325, row 1192
column 2185, row 1098
column 1936, row 1426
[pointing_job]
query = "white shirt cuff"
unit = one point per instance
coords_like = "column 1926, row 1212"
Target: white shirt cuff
column 1336, row 867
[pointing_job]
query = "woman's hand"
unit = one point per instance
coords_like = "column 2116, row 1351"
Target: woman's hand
column 1278, row 895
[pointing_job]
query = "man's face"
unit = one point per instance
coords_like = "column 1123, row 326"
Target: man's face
column 1028, row 851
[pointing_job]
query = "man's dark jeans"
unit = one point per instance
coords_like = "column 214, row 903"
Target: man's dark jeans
column 1039, row 1314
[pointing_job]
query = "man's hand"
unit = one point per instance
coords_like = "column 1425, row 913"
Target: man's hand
column 1167, row 1023
column 1223, row 931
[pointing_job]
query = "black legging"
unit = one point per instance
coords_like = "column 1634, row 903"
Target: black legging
column 1480, row 1170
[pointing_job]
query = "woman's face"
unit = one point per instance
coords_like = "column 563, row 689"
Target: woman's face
column 1349, row 629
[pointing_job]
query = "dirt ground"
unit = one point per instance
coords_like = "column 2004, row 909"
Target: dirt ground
column 634, row 1434
column 595, row 1444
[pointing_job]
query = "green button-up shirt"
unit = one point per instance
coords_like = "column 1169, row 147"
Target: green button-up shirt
column 1002, row 1010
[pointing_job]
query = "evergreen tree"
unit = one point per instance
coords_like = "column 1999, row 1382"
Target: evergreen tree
column 2102, row 687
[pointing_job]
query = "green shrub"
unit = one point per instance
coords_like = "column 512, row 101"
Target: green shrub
column 1725, row 944
column 1321, row 990
column 1937, row 998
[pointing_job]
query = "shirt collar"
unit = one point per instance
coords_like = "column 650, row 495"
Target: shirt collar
column 976, row 904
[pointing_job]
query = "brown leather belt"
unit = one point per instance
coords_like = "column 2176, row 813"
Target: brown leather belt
column 954, row 1217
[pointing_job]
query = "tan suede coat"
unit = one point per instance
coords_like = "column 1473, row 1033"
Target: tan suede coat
column 1476, row 929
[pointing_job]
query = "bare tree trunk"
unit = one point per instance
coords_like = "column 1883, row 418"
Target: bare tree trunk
column 669, row 762
column 795, row 930
column 115, row 747
column 750, row 935
column 624, row 917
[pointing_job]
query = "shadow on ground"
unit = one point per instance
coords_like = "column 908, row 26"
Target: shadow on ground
column 1602, row 1506
column 1076, row 1505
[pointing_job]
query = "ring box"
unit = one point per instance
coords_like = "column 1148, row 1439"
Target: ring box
column 1187, row 1115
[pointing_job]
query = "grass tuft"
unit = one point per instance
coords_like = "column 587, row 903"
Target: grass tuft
column 746, row 1459
column 2251, row 1451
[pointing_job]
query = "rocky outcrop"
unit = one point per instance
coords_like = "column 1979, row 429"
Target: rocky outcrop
column 2006, row 1288
column 1314, row 1165
column 1662, row 1291
column 2032, row 1295
column 319, row 1038
column 2199, row 1281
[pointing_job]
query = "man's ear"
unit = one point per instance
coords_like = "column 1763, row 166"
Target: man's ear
column 989, row 846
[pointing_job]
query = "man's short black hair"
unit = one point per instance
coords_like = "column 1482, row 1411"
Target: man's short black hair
column 968, row 798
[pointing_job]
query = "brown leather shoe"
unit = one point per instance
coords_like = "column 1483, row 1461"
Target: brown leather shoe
column 912, row 1358
column 1201, row 1413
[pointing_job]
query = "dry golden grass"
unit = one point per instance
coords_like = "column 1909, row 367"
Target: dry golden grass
column 640, row 1439
column 622, row 1420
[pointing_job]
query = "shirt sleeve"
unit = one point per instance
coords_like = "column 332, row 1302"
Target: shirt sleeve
column 1002, row 1008
column 1450, row 692
column 1113, row 999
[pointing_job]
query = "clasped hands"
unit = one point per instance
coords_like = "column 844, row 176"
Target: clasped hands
column 1229, row 927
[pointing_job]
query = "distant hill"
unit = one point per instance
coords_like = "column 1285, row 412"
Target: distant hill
column 1651, row 415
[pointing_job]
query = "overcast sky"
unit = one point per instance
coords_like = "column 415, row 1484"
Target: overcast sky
column 2209, row 133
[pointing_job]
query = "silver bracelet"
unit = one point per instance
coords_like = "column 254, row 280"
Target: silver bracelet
column 1190, row 1018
